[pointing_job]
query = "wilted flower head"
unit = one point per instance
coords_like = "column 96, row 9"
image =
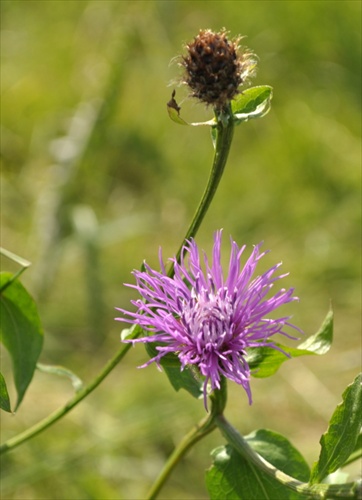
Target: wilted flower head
column 206, row 319
column 216, row 67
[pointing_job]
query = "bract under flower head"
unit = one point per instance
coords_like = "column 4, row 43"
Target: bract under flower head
column 207, row 319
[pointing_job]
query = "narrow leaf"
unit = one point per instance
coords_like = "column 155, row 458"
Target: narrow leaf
column 174, row 114
column 15, row 258
column 174, row 109
column 61, row 371
column 4, row 396
column 20, row 332
column 231, row 477
column 214, row 133
column 342, row 434
column 265, row 361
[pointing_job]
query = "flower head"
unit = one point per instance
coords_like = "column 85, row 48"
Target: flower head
column 208, row 320
column 215, row 68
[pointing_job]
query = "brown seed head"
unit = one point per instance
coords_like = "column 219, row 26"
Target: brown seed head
column 215, row 69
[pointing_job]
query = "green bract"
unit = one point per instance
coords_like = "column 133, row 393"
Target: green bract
column 250, row 103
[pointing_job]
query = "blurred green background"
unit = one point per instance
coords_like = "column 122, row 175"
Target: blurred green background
column 95, row 177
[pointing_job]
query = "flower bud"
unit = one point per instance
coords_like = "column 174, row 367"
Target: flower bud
column 215, row 68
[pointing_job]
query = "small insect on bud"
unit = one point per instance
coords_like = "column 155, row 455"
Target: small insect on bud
column 215, row 68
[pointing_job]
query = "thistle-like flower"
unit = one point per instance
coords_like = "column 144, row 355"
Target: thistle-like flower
column 208, row 320
column 216, row 67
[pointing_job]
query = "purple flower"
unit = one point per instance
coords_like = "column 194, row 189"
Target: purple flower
column 207, row 320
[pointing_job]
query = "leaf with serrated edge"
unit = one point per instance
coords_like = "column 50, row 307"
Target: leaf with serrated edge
column 21, row 332
column 342, row 434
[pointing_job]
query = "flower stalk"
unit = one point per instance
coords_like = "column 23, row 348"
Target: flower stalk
column 205, row 427
column 224, row 135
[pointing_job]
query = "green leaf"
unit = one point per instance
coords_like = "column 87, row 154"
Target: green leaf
column 320, row 342
column 184, row 379
column 133, row 332
column 175, row 117
column 174, row 114
column 252, row 103
column 231, row 477
column 16, row 258
column 21, row 331
column 265, row 361
column 342, row 434
column 4, row 396
column 169, row 359
column 174, row 109
column 357, row 451
column 214, row 133
column 179, row 379
column 61, row 371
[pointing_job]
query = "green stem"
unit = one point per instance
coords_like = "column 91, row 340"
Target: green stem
column 224, row 135
column 225, row 128
column 205, row 427
column 198, row 432
column 78, row 397
column 317, row 491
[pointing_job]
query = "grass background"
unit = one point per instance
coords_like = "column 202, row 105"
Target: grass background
column 95, row 177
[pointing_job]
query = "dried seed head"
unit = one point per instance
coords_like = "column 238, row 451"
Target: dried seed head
column 215, row 68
